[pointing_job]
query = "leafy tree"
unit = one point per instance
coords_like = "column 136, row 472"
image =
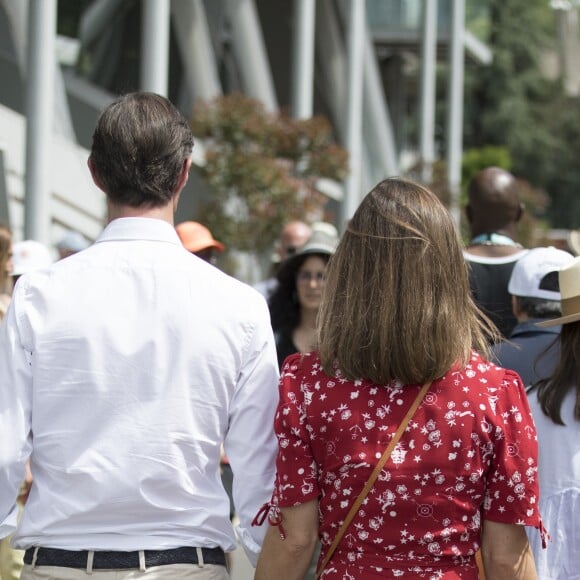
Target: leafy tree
column 559, row 161
column 510, row 103
column 477, row 159
column 501, row 97
column 262, row 169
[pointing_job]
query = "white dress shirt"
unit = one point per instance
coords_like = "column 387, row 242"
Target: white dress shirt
column 122, row 370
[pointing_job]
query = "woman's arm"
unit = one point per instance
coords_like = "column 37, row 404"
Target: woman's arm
column 506, row 552
column 289, row 559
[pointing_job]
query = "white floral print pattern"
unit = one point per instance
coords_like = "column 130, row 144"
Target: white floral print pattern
column 470, row 452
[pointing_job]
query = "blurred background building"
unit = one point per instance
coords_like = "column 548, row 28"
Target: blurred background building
column 368, row 66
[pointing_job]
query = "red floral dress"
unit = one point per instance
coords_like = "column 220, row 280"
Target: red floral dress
column 469, row 453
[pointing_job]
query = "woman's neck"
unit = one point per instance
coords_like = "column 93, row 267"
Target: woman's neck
column 308, row 319
column 304, row 335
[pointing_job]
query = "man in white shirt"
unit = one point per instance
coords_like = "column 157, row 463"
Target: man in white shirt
column 122, row 370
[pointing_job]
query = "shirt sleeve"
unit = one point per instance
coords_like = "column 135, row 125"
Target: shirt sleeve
column 15, row 414
column 250, row 443
column 512, row 489
column 296, row 471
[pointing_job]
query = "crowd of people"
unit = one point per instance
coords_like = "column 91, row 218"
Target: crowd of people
column 389, row 403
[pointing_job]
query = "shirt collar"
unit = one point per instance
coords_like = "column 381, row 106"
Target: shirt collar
column 529, row 326
column 136, row 228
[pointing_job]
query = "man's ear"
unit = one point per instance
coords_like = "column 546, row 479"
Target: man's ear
column 96, row 179
column 521, row 210
column 516, row 310
column 183, row 176
column 469, row 213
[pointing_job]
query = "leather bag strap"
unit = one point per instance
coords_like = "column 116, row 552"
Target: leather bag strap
column 371, row 480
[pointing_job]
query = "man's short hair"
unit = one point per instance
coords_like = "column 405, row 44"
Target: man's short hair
column 140, row 144
column 539, row 307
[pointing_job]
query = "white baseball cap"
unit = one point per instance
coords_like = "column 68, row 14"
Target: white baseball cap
column 569, row 278
column 28, row 256
column 531, row 268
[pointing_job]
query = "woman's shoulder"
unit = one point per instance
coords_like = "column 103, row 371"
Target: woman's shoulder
column 483, row 387
column 301, row 362
column 483, row 371
column 481, row 381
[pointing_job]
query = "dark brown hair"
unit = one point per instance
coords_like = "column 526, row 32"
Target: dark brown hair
column 552, row 391
column 139, row 147
column 283, row 304
column 397, row 303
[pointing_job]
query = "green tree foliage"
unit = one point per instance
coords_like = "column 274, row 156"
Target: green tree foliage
column 262, row 169
column 511, row 104
column 558, row 162
column 69, row 15
column 477, row 159
column 501, row 98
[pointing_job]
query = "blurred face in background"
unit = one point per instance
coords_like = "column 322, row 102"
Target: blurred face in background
column 293, row 237
column 310, row 282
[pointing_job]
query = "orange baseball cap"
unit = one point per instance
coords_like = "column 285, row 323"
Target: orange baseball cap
column 196, row 237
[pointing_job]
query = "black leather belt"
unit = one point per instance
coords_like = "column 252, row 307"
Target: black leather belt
column 123, row 560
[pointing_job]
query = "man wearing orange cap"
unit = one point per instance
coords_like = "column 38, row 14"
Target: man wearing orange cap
column 198, row 240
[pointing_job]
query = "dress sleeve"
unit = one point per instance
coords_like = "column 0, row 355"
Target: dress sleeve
column 296, row 471
column 512, row 489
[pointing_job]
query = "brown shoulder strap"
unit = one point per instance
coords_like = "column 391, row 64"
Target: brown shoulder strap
column 371, row 480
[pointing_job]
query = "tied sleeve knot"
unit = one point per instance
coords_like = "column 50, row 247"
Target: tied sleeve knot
column 544, row 534
column 274, row 516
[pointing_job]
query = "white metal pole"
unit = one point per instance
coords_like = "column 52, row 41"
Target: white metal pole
column 196, row 49
column 455, row 105
column 250, row 50
column 41, row 62
column 356, row 45
column 428, row 95
column 378, row 139
column 377, row 127
column 303, row 71
column 333, row 77
column 155, row 46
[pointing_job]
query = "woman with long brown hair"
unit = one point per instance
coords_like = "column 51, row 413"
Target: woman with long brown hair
column 555, row 404
column 401, row 337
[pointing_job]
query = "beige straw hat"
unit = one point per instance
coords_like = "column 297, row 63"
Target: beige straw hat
column 569, row 279
column 574, row 241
